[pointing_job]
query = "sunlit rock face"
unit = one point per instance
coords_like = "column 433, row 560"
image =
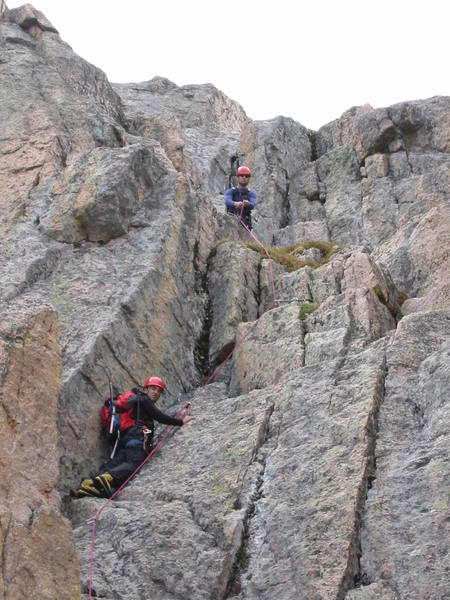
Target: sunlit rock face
column 318, row 461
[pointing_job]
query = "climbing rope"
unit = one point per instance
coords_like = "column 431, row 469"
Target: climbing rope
column 169, row 430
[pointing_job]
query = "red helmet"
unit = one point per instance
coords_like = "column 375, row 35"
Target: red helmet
column 156, row 381
column 243, row 171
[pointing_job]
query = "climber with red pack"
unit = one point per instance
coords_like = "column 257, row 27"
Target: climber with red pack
column 241, row 201
column 137, row 415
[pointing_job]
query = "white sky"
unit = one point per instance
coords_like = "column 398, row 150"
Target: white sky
column 309, row 60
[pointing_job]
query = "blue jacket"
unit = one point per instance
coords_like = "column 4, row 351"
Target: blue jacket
column 238, row 194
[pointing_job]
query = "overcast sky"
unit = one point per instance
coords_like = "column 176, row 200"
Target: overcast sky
column 309, row 60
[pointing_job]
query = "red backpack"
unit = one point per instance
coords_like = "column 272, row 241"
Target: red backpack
column 114, row 414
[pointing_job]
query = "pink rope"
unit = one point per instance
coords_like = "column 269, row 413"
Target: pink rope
column 169, row 430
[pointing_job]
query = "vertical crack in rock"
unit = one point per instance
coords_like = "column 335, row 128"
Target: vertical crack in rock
column 285, row 203
column 302, row 326
column 258, row 295
column 4, row 534
column 392, row 307
column 90, row 382
column 310, row 297
column 34, row 184
column 201, row 350
column 352, row 576
column 321, row 194
column 63, row 154
column 119, row 134
column 312, row 136
column 241, row 557
column 119, row 362
column 403, row 139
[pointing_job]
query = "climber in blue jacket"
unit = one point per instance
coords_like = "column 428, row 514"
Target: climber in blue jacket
column 241, row 201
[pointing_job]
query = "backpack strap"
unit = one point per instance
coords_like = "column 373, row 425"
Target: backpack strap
column 138, row 409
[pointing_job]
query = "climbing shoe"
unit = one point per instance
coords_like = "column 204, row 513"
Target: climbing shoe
column 87, row 488
column 104, row 484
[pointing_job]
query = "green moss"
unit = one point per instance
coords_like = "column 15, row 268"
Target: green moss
column 214, row 248
column 288, row 255
column 371, row 476
column 233, row 454
column 401, row 297
column 307, row 308
column 278, row 254
column 218, row 485
column 242, row 558
column 394, row 309
column 379, row 294
column 219, row 489
column 326, row 248
column 223, row 241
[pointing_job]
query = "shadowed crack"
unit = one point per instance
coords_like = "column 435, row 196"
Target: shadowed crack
column 285, row 205
column 4, row 531
column 241, row 556
column 201, row 350
column 353, row 577
column 403, row 134
column 312, row 136
column 124, row 367
column 259, row 287
column 393, row 308
column 90, row 382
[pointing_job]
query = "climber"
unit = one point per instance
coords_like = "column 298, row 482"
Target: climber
column 241, row 201
column 135, row 443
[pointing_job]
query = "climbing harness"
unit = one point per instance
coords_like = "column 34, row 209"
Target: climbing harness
column 169, row 430
column 148, row 436
column 245, row 214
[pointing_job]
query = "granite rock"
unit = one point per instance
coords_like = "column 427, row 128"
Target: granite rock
column 318, row 458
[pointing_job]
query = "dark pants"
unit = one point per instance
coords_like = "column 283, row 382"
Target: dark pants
column 246, row 218
column 124, row 464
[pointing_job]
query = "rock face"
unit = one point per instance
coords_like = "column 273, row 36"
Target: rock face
column 318, row 464
column 38, row 557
